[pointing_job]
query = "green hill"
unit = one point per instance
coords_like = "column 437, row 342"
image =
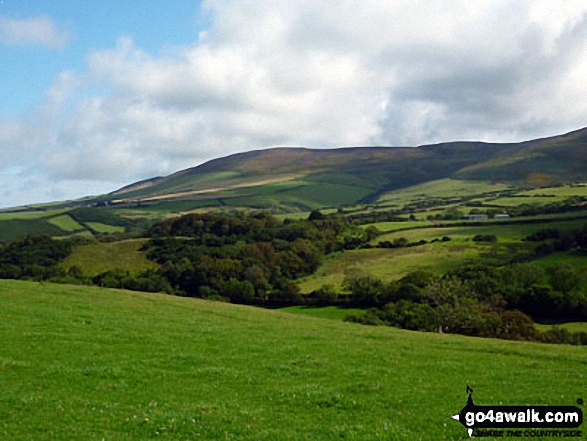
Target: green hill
column 87, row 363
column 298, row 180
column 298, row 177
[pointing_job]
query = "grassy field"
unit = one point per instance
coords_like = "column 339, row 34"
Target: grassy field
column 18, row 228
column 388, row 227
column 96, row 258
column 506, row 232
column 39, row 214
column 440, row 257
column 66, row 223
column 442, row 188
column 571, row 327
column 82, row 363
column 325, row 312
column 391, row 264
column 104, row 228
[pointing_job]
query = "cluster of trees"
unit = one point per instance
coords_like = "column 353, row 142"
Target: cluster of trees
column 252, row 259
column 555, row 240
column 402, row 242
column 477, row 300
column 148, row 280
column 33, row 258
column 38, row 258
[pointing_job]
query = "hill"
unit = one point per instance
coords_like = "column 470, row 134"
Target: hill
column 84, row 363
column 295, row 181
column 290, row 177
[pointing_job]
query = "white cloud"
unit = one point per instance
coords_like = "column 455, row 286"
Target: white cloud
column 37, row 31
column 312, row 73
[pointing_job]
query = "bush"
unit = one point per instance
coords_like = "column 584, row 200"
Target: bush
column 325, row 296
column 485, row 238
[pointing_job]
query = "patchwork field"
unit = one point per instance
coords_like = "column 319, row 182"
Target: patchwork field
column 87, row 363
column 439, row 257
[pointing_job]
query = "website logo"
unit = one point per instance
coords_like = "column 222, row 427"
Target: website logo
column 544, row 421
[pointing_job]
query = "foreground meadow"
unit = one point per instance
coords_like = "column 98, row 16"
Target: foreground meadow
column 83, row 363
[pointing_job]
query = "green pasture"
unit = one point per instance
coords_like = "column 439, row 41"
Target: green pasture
column 66, row 223
column 564, row 192
column 504, row 232
column 392, row 264
column 325, row 312
column 388, row 227
column 571, row 327
column 514, row 201
column 18, row 228
column 83, row 363
column 104, row 228
column 440, row 257
column 442, row 188
column 26, row 215
column 178, row 206
column 98, row 257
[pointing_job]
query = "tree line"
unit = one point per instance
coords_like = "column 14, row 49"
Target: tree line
column 484, row 301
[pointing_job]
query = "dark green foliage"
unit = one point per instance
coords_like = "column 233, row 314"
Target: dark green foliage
column 148, row 281
column 33, row 258
column 99, row 214
column 316, row 215
column 476, row 300
column 326, row 295
column 547, row 233
column 560, row 241
column 485, row 238
column 365, row 291
column 250, row 259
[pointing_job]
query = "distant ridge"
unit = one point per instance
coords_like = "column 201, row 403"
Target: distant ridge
column 371, row 171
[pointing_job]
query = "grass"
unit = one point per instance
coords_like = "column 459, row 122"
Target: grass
column 440, row 257
column 575, row 259
column 392, row 264
column 388, row 227
column 325, row 312
column 442, row 188
column 19, row 228
column 66, row 223
column 179, row 206
column 104, row 228
column 507, row 232
column 97, row 258
column 81, row 363
column 565, row 191
column 39, row 214
column 571, row 327
column 515, row 201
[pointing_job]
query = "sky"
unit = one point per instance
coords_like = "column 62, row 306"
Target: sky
column 97, row 95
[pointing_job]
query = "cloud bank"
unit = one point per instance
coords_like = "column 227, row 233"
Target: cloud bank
column 304, row 73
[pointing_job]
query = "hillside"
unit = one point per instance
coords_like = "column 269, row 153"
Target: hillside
column 349, row 175
column 294, row 181
column 82, row 363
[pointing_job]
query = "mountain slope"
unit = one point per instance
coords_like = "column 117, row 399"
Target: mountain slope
column 349, row 175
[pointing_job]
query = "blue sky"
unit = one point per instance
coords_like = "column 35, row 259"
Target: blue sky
column 97, row 95
column 28, row 70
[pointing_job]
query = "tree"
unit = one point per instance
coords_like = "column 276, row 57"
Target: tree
column 237, row 291
column 365, row 291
